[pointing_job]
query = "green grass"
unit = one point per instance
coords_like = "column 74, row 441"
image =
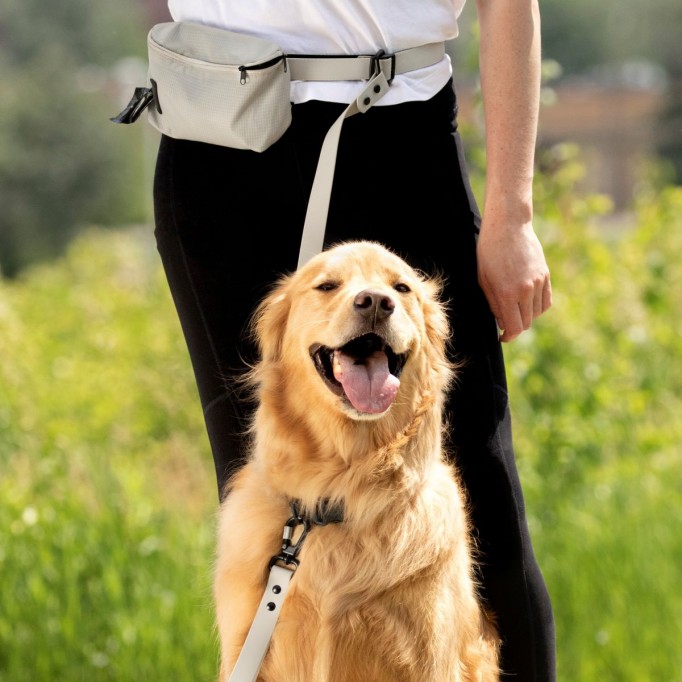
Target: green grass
column 107, row 494
column 596, row 392
column 107, row 499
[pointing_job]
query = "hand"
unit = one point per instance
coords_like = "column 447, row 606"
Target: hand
column 514, row 276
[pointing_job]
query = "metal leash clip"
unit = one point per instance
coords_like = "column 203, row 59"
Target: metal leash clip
column 290, row 549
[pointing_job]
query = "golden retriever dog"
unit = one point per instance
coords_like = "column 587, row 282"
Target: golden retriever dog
column 350, row 388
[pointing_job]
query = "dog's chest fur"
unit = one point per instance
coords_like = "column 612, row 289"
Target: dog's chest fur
column 374, row 596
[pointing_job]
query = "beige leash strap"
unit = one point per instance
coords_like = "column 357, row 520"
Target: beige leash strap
column 282, row 569
column 257, row 641
column 312, row 239
column 385, row 68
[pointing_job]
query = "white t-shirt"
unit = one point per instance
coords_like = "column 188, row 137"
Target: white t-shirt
column 340, row 27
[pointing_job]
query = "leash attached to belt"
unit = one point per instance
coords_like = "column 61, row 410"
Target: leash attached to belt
column 382, row 68
column 378, row 71
column 282, row 568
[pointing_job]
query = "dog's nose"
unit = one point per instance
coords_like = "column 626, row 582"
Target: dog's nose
column 374, row 304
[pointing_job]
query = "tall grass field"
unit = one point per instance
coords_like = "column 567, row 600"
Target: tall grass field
column 107, row 492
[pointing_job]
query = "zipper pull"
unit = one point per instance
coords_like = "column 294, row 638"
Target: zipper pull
column 244, row 76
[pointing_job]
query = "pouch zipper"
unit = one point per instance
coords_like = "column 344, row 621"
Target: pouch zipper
column 243, row 70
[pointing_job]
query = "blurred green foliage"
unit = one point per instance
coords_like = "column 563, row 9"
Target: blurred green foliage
column 596, row 390
column 107, row 494
column 62, row 164
column 583, row 33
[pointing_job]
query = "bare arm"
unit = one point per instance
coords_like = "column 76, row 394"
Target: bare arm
column 512, row 272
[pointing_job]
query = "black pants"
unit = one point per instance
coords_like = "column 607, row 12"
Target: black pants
column 228, row 222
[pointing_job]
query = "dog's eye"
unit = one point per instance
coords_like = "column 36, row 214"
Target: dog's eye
column 402, row 288
column 327, row 286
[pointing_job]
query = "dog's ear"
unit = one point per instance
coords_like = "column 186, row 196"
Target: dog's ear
column 270, row 321
column 434, row 312
column 435, row 318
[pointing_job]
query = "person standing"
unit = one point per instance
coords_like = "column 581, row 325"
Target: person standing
column 229, row 222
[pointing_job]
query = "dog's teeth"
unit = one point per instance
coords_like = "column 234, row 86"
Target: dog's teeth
column 318, row 361
column 336, row 365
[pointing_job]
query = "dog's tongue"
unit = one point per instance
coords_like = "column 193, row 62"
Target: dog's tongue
column 368, row 384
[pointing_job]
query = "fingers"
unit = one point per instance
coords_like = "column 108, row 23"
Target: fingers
column 538, row 301
column 542, row 297
column 546, row 295
column 514, row 276
column 516, row 314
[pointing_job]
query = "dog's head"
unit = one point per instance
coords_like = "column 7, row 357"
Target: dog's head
column 355, row 328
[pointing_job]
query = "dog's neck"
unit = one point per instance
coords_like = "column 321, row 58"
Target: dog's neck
column 391, row 455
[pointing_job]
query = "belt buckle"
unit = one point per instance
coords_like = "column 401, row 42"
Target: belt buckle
column 377, row 63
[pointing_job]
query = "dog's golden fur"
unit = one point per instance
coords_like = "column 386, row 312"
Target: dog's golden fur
column 388, row 594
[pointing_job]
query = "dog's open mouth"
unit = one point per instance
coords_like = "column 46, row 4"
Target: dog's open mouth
column 365, row 370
